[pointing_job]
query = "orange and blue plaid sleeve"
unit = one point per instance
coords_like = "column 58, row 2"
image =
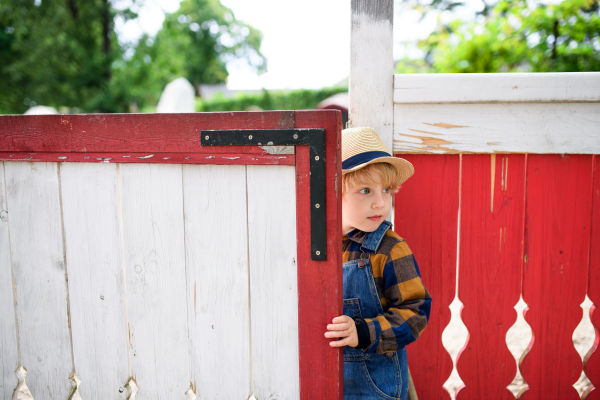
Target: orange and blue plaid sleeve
column 405, row 301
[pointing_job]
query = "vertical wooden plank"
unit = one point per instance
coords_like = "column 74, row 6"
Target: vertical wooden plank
column 9, row 358
column 97, row 301
column 320, row 283
column 491, row 252
column 273, row 281
column 557, row 240
column 153, row 236
column 216, row 239
column 426, row 215
column 372, row 67
column 39, row 272
column 592, row 363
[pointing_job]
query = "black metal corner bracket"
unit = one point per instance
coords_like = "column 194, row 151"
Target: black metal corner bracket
column 315, row 139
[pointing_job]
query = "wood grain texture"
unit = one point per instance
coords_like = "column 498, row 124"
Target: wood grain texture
column 319, row 282
column 491, row 254
column 9, row 357
column 497, row 128
column 137, row 133
column 500, row 87
column 426, row 215
column 592, row 363
column 154, row 158
column 97, row 302
column 216, row 239
column 273, row 282
column 557, row 247
column 40, row 277
column 153, row 239
column 372, row 67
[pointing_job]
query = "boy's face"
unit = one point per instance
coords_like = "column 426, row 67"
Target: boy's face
column 366, row 205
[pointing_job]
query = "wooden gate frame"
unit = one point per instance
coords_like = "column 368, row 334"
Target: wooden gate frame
column 175, row 139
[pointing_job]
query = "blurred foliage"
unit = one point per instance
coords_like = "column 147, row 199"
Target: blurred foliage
column 514, row 36
column 65, row 53
column 302, row 99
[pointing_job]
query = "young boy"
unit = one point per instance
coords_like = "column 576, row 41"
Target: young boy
column 386, row 305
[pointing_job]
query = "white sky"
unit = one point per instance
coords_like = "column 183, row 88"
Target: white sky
column 307, row 44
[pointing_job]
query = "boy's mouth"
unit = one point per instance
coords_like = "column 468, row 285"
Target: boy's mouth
column 375, row 218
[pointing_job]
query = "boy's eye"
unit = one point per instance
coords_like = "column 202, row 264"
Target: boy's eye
column 386, row 190
column 364, row 191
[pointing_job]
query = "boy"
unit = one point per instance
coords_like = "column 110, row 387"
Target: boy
column 386, row 305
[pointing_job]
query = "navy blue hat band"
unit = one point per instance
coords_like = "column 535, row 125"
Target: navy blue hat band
column 362, row 158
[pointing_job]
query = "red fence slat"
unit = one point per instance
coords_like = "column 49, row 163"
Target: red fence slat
column 592, row 366
column 317, row 303
column 121, row 133
column 557, row 240
column 491, row 250
column 426, row 215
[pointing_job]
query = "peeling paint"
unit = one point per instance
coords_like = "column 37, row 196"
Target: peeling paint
column 62, row 158
column 148, row 156
column 210, row 157
column 230, row 158
column 445, row 125
column 427, row 140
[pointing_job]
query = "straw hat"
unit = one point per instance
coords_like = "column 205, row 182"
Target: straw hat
column 363, row 146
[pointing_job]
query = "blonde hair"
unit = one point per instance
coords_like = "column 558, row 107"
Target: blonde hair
column 388, row 173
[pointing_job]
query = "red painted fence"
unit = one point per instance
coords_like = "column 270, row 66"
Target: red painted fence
column 516, row 224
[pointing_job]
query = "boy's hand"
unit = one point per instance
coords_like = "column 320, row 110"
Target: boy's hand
column 345, row 328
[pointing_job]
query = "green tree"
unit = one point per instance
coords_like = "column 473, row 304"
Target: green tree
column 513, row 36
column 56, row 52
column 196, row 42
column 66, row 53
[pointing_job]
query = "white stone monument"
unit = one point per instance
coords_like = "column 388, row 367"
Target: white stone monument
column 178, row 97
column 41, row 110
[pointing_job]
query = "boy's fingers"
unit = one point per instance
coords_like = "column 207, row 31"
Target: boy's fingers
column 339, row 343
column 338, row 327
column 340, row 319
column 333, row 334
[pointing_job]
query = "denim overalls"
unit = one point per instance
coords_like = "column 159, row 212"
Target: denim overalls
column 369, row 375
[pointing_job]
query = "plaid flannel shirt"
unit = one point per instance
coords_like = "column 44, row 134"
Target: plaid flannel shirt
column 405, row 301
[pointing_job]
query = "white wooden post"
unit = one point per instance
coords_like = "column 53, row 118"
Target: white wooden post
column 372, row 67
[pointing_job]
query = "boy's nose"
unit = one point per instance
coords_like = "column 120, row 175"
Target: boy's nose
column 378, row 202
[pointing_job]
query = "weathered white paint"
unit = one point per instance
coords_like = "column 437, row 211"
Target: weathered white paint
column 217, row 273
column 21, row 392
column 278, row 149
column 153, row 236
column 497, row 127
column 273, row 281
column 502, row 87
column 39, row 273
column 98, row 320
column 191, row 250
column 9, row 357
column 372, row 67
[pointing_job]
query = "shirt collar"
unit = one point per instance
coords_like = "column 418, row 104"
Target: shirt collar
column 369, row 240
